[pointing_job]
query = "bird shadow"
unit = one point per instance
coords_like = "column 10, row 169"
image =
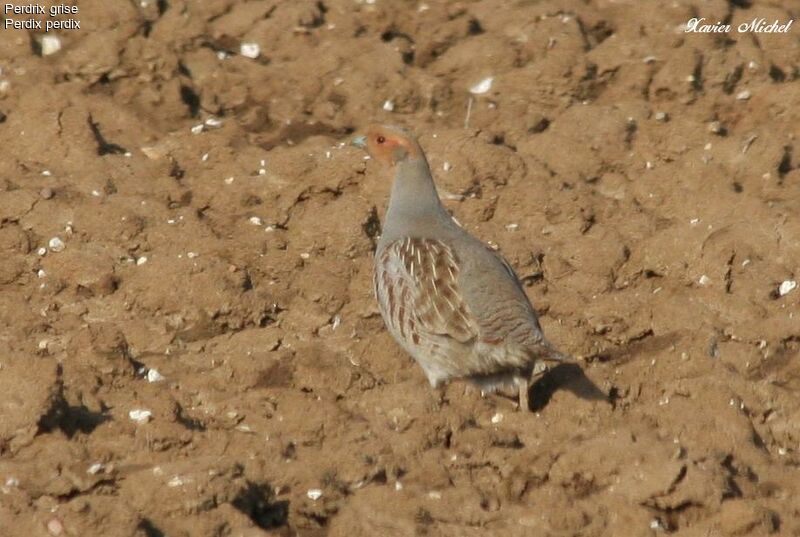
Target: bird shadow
column 568, row 377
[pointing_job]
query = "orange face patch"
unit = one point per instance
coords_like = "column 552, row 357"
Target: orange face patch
column 388, row 146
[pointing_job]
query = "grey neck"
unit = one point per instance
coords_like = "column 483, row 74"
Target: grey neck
column 414, row 206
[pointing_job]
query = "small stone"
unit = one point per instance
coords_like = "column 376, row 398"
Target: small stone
column 482, row 87
column 56, row 245
column 197, row 129
column 743, row 95
column 497, row 418
column 192, row 255
column 140, row 415
column 50, row 45
column 55, row 527
column 41, row 273
column 716, row 127
column 704, row 280
column 41, row 251
column 141, row 261
column 662, row 116
column 388, row 106
column 46, row 193
column 250, row 50
column 787, row 287
column 228, row 180
column 95, row 468
column 314, row 494
column 213, row 123
column 446, row 166
column 154, row 376
column 256, row 221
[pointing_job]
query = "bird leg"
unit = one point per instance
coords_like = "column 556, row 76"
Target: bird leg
column 523, row 384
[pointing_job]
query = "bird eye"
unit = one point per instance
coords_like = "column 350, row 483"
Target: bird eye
column 381, row 139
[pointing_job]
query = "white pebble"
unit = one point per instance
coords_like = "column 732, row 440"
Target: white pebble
column 55, row 527
column 221, row 55
column 154, row 376
column 141, row 261
column 704, row 280
column 43, row 345
column 204, row 158
column 482, row 87
column 661, row 116
column 41, row 273
column 192, row 255
column 140, row 415
column 256, row 221
column 388, row 105
column 787, row 287
column 95, row 468
column 435, row 495
column 649, row 59
column 41, row 251
column 497, row 418
column 228, row 180
column 398, row 486
column 56, row 245
column 512, row 227
column 50, row 45
column 262, row 171
column 250, row 50
column 176, row 481
column 447, row 166
column 314, row 494
column 213, row 122
column 96, row 193
column 694, row 221
column 305, row 255
column 743, row 95
column 47, row 173
column 197, row 129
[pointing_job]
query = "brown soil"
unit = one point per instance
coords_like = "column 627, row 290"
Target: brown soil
column 652, row 246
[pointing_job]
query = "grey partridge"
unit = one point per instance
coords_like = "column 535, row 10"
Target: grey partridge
column 451, row 302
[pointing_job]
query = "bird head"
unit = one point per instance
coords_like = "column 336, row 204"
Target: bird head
column 388, row 144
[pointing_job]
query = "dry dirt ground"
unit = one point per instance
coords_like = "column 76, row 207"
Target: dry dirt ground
column 642, row 181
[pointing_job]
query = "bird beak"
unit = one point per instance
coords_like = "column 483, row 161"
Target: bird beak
column 360, row 142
